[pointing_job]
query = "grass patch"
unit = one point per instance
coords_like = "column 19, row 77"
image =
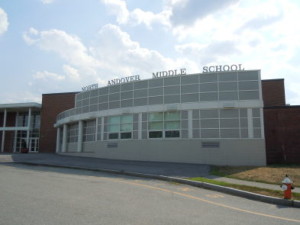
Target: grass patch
column 262, row 191
column 271, row 174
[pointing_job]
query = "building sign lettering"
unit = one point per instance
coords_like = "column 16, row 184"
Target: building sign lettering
column 124, row 80
column 90, row 87
column 169, row 73
column 222, row 68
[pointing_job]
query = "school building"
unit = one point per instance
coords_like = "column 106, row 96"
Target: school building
column 228, row 117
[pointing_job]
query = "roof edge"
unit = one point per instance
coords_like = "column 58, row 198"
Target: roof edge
column 21, row 105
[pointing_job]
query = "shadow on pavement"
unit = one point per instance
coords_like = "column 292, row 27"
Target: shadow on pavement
column 152, row 168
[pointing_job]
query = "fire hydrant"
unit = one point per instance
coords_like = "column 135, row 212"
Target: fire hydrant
column 287, row 186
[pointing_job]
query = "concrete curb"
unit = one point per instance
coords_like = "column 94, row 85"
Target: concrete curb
column 227, row 190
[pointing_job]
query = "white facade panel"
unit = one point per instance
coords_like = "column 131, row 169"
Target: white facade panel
column 171, row 117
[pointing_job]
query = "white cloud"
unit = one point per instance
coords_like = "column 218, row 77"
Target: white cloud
column 232, row 32
column 175, row 12
column 71, row 72
column 136, row 16
column 68, row 47
column 261, row 21
column 208, row 53
column 292, row 90
column 45, row 75
column 3, row 21
column 256, row 37
column 30, row 32
column 186, row 12
column 123, row 56
column 251, row 32
column 47, row 1
column 118, row 8
column 112, row 54
column 259, row 34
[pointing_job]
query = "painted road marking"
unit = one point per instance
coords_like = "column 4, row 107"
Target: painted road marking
column 185, row 189
column 214, row 196
column 206, row 201
column 191, row 197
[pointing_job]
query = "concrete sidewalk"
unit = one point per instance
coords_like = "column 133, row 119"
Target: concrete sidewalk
column 251, row 183
column 177, row 170
column 154, row 168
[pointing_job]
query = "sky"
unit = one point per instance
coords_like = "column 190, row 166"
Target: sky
column 50, row 46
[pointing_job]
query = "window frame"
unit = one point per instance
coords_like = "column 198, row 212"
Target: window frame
column 164, row 119
column 123, row 128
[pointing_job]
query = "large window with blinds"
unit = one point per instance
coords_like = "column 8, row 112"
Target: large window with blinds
column 120, row 127
column 72, row 135
column 164, row 124
column 89, row 130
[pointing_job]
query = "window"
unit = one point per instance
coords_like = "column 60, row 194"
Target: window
column 113, row 127
column 89, row 130
column 99, row 130
column 256, row 123
column 22, row 120
column 120, row 127
column 126, row 135
column 113, row 136
column 36, row 121
column 72, row 135
column 21, row 140
column 155, row 134
column 126, row 126
column 155, row 124
column 164, row 125
column 172, row 133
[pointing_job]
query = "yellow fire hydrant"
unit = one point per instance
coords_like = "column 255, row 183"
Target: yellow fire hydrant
column 287, row 186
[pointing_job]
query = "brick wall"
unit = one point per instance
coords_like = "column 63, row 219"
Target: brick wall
column 273, row 92
column 9, row 135
column 9, row 141
column 52, row 105
column 282, row 132
column 1, row 118
column 11, row 119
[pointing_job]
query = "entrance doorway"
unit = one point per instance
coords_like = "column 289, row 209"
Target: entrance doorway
column 33, row 144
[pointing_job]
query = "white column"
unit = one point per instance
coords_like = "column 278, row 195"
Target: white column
column 96, row 130
column 80, row 136
column 16, row 133
column 102, row 128
column 57, row 139
column 190, row 124
column 250, row 124
column 64, row 138
column 140, row 120
column 262, row 125
column 3, row 132
column 28, row 128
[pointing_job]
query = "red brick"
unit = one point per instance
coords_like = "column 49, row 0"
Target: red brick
column 273, row 92
column 282, row 134
column 52, row 105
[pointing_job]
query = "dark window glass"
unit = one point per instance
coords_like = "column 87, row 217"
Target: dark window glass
column 126, row 135
column 113, row 136
column 172, row 133
column 155, row 134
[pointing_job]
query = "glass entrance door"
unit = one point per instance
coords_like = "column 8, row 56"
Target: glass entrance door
column 34, row 144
